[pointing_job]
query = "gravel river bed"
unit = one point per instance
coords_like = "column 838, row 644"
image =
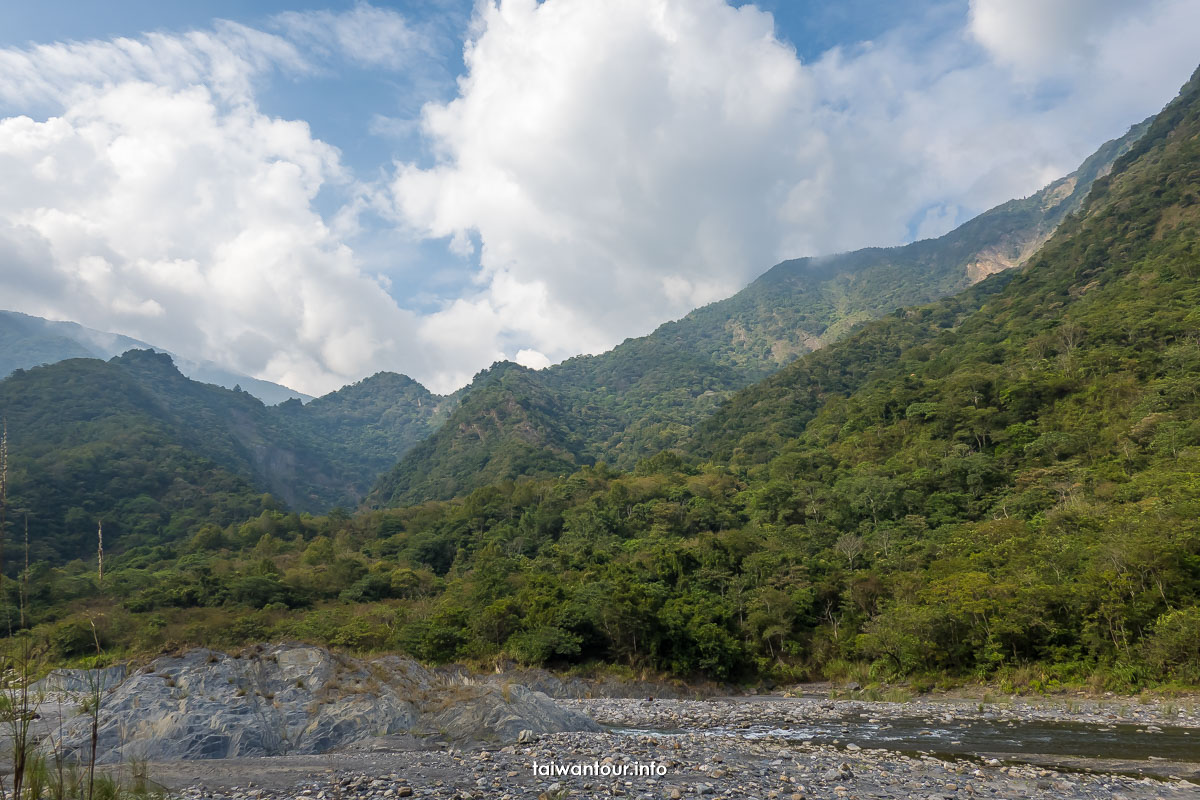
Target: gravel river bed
column 772, row 748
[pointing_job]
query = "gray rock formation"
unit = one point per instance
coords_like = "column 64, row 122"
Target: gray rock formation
column 502, row 712
column 80, row 681
column 296, row 699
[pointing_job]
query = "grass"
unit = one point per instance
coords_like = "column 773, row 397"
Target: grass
column 48, row 780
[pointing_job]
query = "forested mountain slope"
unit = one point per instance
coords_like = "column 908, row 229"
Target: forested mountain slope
column 804, row 304
column 620, row 407
column 365, row 427
column 134, row 444
column 1115, row 284
column 1006, row 478
column 155, row 455
column 647, row 394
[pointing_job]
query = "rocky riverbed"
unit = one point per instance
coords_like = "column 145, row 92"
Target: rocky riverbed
column 293, row 721
column 746, row 711
column 681, row 749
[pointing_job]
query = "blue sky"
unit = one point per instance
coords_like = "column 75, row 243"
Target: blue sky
column 313, row 191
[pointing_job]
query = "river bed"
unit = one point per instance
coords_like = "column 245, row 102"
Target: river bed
column 972, row 737
column 1160, row 740
column 761, row 749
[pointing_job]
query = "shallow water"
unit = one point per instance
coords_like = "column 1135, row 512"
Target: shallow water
column 981, row 737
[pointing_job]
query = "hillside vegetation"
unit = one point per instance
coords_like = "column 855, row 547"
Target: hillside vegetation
column 1004, row 484
column 209, row 454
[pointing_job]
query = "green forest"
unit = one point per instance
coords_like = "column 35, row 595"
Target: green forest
column 1003, row 485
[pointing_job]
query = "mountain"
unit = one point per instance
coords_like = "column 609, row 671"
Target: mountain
column 508, row 424
column 364, row 428
column 999, row 486
column 133, row 443
column 619, row 407
column 804, row 304
column 1004, row 484
column 1109, row 278
column 27, row 341
column 155, row 455
column 209, row 372
column 648, row 394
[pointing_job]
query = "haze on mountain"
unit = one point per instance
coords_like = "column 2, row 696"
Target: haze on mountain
column 27, row 341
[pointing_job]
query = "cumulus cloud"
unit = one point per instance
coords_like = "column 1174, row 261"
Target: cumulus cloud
column 161, row 203
column 1039, row 36
column 154, row 212
column 613, row 165
column 625, row 160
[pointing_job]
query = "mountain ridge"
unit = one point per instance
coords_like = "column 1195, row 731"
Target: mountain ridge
column 648, row 393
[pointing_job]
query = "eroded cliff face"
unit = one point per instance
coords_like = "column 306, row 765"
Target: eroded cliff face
column 292, row 699
column 991, row 260
column 1018, row 246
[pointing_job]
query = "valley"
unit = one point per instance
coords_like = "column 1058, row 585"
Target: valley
column 623, row 399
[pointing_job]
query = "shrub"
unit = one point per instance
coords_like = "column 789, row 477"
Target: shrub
column 540, row 645
column 1173, row 646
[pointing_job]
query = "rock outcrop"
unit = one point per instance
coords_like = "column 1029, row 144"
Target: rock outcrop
column 81, row 681
column 295, row 699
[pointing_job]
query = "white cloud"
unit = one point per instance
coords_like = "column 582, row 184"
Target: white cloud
column 226, row 59
column 532, row 359
column 159, row 202
column 191, row 227
column 609, row 154
column 634, row 158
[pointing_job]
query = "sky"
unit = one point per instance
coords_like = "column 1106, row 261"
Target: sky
column 311, row 192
